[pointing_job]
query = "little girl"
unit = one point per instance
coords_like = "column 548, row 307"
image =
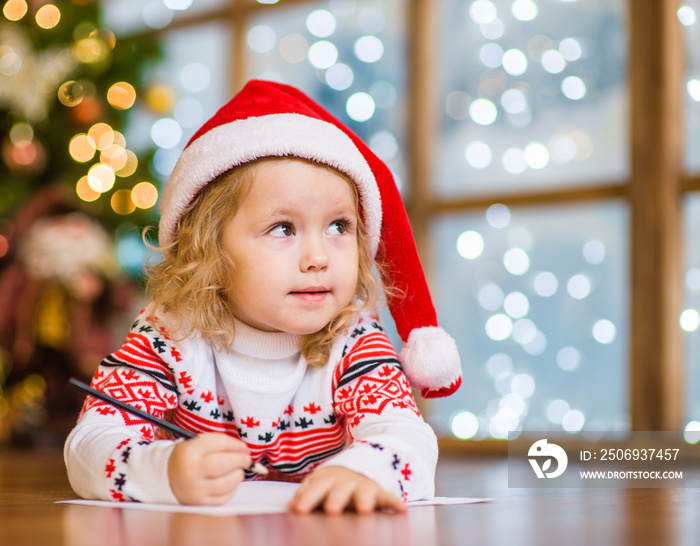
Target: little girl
column 262, row 336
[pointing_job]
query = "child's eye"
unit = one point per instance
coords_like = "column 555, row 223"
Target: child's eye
column 338, row 227
column 282, row 230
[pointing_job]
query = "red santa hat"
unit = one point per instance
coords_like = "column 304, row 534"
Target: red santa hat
column 270, row 119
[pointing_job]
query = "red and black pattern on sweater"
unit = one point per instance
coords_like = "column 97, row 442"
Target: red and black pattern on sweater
column 370, row 381
column 369, row 378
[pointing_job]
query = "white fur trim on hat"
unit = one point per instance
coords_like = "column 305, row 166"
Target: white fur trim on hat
column 431, row 361
column 278, row 135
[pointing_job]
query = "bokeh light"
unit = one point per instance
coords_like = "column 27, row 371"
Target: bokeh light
column 516, row 261
column 48, row 16
column 161, row 98
column 82, row 148
column 470, row 245
column 524, row 10
column 360, row 106
column 71, row 93
column 121, row 95
column 114, row 156
column 14, row 10
column 464, row 425
column 144, row 195
column 102, row 135
column 545, row 284
column 323, row 54
column 166, row 133
column 568, row 358
column 482, row 11
column 85, row 192
column 122, row 203
column 491, row 297
column 691, row 432
column 686, row 15
column 478, row 154
column 369, row 49
column 514, row 62
column 498, row 215
column 339, row 76
column 690, row 320
column 573, row 88
column 483, row 111
column 579, row 286
column 261, row 38
column 499, row 327
column 516, row 305
column 594, row 252
column 130, row 166
column 101, row 177
column 573, row 421
column 604, row 331
column 321, row 23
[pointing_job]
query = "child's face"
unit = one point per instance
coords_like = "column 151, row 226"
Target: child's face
column 294, row 245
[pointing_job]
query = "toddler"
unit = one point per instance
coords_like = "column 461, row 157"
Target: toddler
column 262, row 335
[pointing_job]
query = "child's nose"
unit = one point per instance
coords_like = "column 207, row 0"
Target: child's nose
column 314, row 255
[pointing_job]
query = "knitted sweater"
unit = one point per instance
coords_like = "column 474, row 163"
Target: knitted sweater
column 357, row 411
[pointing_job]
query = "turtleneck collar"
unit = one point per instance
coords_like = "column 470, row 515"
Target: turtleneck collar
column 256, row 343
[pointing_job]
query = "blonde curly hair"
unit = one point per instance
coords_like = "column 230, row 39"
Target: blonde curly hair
column 190, row 283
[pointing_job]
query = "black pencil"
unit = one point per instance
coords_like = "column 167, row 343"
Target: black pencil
column 176, row 431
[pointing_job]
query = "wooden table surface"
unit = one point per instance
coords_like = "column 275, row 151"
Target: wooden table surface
column 31, row 482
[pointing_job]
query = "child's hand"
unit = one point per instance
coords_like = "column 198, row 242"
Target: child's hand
column 207, row 469
column 335, row 488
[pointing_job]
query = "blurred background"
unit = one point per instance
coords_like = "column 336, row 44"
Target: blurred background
column 547, row 151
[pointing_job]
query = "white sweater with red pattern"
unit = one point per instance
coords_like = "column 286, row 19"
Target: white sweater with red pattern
column 357, row 411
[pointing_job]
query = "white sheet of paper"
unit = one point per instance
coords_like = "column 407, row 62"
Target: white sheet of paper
column 263, row 497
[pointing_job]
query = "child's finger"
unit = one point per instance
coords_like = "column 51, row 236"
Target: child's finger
column 222, row 463
column 224, row 487
column 338, row 498
column 387, row 500
column 309, row 496
column 365, row 500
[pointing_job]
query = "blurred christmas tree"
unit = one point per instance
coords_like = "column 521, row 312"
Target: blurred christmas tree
column 68, row 183
column 66, row 88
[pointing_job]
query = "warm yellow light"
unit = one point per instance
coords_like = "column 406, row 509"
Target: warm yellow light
column 121, row 95
column 144, row 195
column 81, row 148
column 106, row 36
column 114, row 156
column 102, row 134
column 119, row 139
column 48, row 16
column 101, row 177
column 160, row 98
column 132, row 164
column 121, row 202
column 71, row 93
column 85, row 192
column 89, row 50
column 14, row 10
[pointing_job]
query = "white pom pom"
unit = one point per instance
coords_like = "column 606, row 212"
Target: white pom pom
column 431, row 361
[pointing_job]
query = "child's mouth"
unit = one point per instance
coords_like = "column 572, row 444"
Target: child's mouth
column 312, row 293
